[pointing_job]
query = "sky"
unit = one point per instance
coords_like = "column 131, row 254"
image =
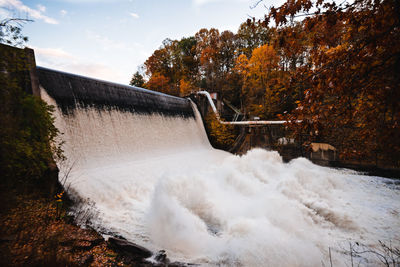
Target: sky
column 109, row 39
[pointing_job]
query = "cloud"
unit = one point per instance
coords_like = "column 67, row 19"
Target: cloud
column 41, row 8
column 106, row 43
column 116, row 64
column 63, row 12
column 59, row 59
column 125, row 56
column 4, row 13
column 53, row 53
column 134, row 15
column 89, row 1
column 34, row 13
column 204, row 2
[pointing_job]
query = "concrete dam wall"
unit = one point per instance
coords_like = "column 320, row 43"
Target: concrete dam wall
column 70, row 90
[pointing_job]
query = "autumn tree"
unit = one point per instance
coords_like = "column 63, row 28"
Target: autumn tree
column 207, row 51
column 334, row 66
column 160, row 69
column 212, row 61
column 222, row 136
column 259, row 74
column 159, row 82
column 351, row 82
column 252, row 34
column 186, row 87
column 172, row 62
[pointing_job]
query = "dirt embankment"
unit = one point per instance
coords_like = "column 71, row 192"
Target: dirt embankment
column 36, row 231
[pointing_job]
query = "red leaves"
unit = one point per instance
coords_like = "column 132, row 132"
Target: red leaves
column 352, row 78
column 337, row 69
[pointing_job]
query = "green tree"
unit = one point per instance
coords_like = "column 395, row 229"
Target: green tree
column 137, row 80
column 189, row 63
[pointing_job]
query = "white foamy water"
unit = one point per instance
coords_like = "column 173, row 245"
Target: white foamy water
column 156, row 181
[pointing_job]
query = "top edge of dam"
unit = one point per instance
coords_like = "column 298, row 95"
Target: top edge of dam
column 72, row 90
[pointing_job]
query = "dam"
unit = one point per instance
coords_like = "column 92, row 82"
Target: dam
column 139, row 165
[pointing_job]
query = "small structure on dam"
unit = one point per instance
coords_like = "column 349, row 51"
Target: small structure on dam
column 271, row 135
column 251, row 134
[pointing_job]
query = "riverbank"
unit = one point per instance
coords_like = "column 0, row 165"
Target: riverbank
column 36, row 231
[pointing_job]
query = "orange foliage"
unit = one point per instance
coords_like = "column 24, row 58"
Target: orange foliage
column 185, row 87
column 351, row 82
column 337, row 70
column 259, row 75
column 159, row 82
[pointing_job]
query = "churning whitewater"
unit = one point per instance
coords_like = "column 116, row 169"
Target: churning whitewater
column 156, row 181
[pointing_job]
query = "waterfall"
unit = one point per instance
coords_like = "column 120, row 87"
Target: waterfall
column 153, row 178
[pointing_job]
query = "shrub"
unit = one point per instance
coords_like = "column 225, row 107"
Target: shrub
column 27, row 132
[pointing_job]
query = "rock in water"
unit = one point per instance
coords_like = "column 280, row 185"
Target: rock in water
column 125, row 246
column 161, row 256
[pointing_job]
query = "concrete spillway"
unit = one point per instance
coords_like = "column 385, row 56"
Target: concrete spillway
column 68, row 90
column 142, row 163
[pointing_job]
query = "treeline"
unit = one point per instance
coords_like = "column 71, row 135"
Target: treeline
column 247, row 68
column 333, row 66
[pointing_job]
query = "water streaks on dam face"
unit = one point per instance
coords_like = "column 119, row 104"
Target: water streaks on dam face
column 68, row 90
column 154, row 179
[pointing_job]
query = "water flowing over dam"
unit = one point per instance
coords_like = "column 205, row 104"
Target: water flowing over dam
column 141, row 163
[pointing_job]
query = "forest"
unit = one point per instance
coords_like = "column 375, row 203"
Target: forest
column 330, row 69
column 333, row 66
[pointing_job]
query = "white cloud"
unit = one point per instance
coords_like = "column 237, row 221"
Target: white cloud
column 53, row 53
column 108, row 44
column 63, row 12
column 134, row 15
column 34, row 13
column 125, row 56
column 41, row 8
column 93, row 70
column 89, row 1
column 105, row 42
column 204, row 2
column 4, row 13
column 59, row 59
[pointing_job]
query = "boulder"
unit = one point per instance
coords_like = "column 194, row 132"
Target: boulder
column 124, row 246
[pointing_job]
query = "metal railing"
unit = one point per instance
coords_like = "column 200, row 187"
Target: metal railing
column 208, row 96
